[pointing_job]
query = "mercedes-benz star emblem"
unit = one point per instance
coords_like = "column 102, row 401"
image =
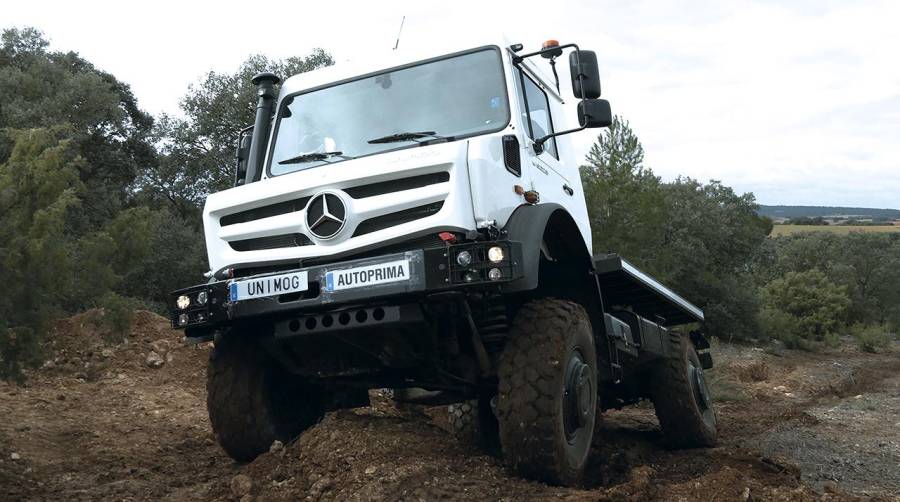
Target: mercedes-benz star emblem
column 325, row 215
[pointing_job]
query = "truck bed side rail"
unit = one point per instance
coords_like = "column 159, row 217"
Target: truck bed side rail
column 623, row 285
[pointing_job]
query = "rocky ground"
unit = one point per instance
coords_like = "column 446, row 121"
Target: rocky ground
column 127, row 421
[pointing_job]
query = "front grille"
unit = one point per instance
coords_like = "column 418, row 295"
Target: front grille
column 271, row 242
column 425, row 242
column 400, row 217
column 391, row 186
column 288, row 206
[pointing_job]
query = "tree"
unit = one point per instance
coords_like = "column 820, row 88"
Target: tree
column 816, row 306
column 39, row 88
column 39, row 187
column 696, row 237
column 867, row 264
column 623, row 197
column 199, row 149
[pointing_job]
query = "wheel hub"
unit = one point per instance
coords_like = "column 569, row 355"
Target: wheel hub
column 579, row 392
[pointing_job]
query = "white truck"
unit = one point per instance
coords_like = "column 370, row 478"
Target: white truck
column 422, row 224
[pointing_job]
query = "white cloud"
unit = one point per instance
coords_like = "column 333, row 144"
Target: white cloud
column 798, row 103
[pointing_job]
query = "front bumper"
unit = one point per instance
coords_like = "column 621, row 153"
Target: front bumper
column 431, row 270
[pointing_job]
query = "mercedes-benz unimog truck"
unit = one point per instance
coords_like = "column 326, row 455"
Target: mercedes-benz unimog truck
column 420, row 225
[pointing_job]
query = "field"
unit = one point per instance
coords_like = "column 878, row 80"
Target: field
column 836, row 229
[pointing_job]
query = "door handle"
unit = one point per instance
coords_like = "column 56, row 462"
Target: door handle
column 568, row 190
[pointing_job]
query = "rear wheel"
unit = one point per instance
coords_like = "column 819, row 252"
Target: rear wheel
column 681, row 397
column 548, row 392
column 252, row 401
column 474, row 422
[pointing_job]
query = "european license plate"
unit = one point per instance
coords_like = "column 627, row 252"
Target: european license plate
column 369, row 275
column 272, row 285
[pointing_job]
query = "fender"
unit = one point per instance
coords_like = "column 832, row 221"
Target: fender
column 527, row 225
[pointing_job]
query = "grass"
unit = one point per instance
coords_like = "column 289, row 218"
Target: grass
column 836, row 229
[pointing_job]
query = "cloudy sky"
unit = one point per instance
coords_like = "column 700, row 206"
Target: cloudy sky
column 798, row 102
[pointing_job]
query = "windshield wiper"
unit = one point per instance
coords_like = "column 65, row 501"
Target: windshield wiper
column 312, row 157
column 403, row 136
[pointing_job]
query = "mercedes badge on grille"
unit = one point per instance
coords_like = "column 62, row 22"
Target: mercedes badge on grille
column 325, row 215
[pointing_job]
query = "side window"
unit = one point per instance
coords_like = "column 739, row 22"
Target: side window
column 538, row 112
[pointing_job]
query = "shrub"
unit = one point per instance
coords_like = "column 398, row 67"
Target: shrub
column 804, row 309
column 115, row 321
column 871, row 338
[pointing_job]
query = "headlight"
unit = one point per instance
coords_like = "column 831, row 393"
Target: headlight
column 182, row 319
column 495, row 254
column 464, row 258
column 202, row 298
column 495, row 274
column 183, row 302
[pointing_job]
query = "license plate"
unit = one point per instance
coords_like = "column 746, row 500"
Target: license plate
column 272, row 285
column 370, row 275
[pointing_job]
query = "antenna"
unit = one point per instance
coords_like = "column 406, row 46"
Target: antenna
column 397, row 43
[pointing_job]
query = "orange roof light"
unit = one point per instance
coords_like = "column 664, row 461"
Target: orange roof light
column 551, row 44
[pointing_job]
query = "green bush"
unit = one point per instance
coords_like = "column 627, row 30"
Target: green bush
column 871, row 338
column 115, row 321
column 804, row 309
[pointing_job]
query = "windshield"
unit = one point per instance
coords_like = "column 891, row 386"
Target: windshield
column 436, row 101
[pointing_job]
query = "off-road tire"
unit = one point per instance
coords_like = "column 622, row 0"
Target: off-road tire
column 686, row 414
column 473, row 422
column 252, row 401
column 535, row 434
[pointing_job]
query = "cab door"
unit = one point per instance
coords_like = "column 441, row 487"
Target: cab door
column 542, row 167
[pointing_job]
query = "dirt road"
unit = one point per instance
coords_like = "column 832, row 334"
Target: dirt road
column 104, row 422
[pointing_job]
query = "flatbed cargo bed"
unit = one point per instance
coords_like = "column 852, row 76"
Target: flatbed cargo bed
column 623, row 284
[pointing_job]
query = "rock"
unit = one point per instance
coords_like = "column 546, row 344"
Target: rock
column 371, row 470
column 276, row 446
column 106, row 353
column 247, row 498
column 154, row 360
column 320, row 486
column 746, row 494
column 14, row 456
column 241, row 485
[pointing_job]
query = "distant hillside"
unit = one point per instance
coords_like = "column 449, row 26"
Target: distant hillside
column 825, row 211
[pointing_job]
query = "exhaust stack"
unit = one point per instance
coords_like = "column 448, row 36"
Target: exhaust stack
column 265, row 88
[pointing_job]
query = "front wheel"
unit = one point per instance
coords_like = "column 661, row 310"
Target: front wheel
column 681, row 397
column 547, row 402
column 252, row 401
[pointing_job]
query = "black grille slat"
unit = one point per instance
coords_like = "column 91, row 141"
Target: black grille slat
column 391, row 186
column 271, row 242
column 400, row 217
column 425, row 242
column 288, row 206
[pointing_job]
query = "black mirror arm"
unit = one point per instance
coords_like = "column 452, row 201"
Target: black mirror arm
column 540, row 142
column 517, row 59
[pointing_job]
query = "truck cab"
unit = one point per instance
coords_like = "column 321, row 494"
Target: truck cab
column 421, row 224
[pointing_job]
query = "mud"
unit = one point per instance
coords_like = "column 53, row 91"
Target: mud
column 98, row 422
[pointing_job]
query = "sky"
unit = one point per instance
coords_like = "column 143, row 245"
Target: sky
column 797, row 102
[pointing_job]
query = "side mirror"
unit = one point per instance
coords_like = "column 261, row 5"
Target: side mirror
column 584, row 64
column 594, row 113
column 242, row 154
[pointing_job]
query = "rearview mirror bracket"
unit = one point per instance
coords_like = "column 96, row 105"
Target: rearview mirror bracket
column 583, row 105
